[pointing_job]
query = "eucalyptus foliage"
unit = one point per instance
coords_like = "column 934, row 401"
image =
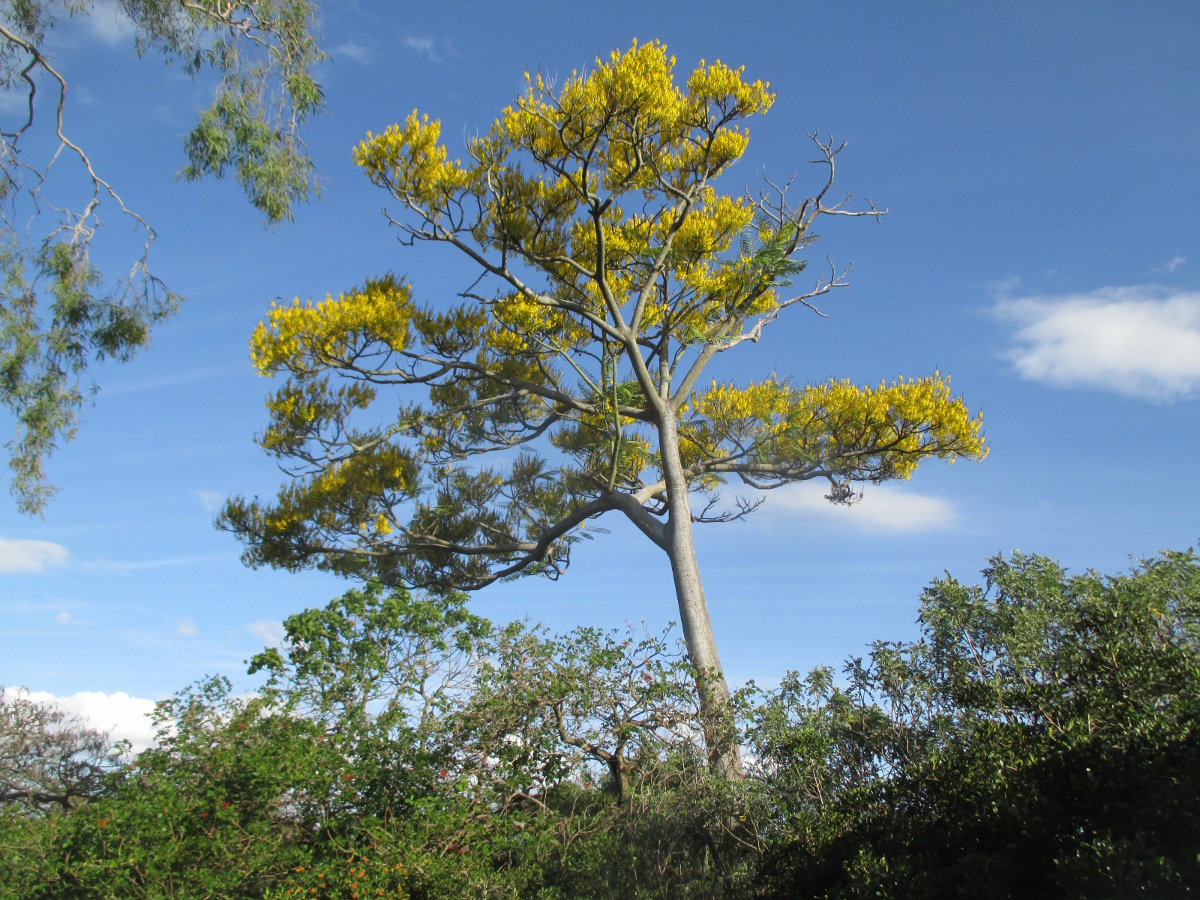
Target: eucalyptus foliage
column 59, row 315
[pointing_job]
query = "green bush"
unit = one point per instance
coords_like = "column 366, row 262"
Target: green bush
column 1038, row 739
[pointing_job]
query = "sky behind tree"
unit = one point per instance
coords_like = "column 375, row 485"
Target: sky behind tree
column 1039, row 167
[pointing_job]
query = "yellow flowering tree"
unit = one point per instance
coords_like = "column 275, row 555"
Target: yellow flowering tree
column 567, row 383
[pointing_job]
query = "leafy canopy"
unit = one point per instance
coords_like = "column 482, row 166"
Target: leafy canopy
column 611, row 271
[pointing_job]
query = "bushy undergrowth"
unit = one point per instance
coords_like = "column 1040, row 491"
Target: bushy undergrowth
column 1039, row 739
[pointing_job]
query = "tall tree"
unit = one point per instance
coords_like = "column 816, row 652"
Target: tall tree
column 610, row 274
column 57, row 311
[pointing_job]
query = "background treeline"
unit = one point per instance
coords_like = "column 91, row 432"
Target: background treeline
column 1038, row 740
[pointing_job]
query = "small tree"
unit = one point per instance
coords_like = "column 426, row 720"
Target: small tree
column 381, row 674
column 607, row 703
column 610, row 274
column 50, row 759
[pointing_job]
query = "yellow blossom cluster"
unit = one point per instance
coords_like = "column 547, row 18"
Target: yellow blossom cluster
column 411, row 162
column 522, row 324
column 706, row 283
column 360, row 489
column 623, row 126
column 762, row 401
column 299, row 410
column 711, row 226
column 628, row 114
column 869, row 432
column 623, row 100
column 906, row 420
column 306, row 336
column 719, row 84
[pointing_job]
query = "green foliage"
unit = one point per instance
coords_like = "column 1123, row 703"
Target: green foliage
column 51, row 766
column 59, row 315
column 49, row 759
column 52, row 326
column 380, row 675
column 1040, row 739
column 265, row 56
column 592, row 702
column 205, row 814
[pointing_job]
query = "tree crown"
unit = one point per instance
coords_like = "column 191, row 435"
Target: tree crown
column 611, row 271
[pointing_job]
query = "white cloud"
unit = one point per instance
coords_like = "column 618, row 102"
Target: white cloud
column 356, row 52
column 1176, row 264
column 125, row 718
column 212, row 501
column 883, row 508
column 30, row 556
column 425, row 46
column 1136, row 341
column 194, row 376
column 269, row 631
column 107, row 22
column 187, row 627
column 63, row 617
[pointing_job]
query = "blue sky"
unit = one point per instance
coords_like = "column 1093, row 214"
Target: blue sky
column 1039, row 162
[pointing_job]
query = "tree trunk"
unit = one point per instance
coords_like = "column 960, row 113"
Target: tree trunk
column 716, row 708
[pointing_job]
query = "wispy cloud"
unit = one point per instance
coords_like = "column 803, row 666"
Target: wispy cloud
column 269, row 631
column 30, row 556
column 354, row 52
column 883, row 508
column 107, row 22
column 170, row 381
column 124, row 717
column 14, row 101
column 1140, row 341
column 423, row 46
column 186, row 627
column 1004, row 287
column 126, row 567
column 212, row 501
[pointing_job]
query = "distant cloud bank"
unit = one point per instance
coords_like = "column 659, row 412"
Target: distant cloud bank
column 883, row 508
column 125, row 718
column 30, row 556
column 1141, row 342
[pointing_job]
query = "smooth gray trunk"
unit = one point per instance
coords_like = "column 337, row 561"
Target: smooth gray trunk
column 716, row 708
